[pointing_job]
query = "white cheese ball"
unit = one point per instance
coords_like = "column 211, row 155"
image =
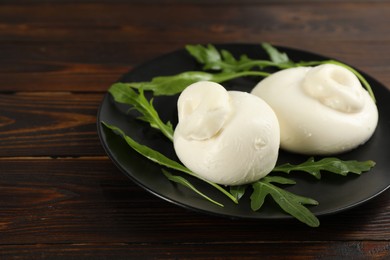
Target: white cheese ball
column 321, row 110
column 227, row 137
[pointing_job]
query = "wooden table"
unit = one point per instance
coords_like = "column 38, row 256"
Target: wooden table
column 61, row 197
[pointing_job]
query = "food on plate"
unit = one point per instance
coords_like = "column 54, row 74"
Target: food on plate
column 218, row 130
column 227, row 137
column 321, row 110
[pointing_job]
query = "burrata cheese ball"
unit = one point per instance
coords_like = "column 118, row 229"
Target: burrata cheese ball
column 227, row 137
column 322, row 110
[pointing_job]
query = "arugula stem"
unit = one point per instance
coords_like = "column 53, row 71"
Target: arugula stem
column 160, row 125
column 219, row 78
column 243, row 67
column 184, row 182
column 175, row 84
column 218, row 187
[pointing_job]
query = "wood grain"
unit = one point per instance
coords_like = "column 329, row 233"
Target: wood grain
column 62, row 198
column 126, row 22
column 94, row 66
column 45, row 124
column 87, row 46
column 88, row 200
column 269, row 250
column 92, row 60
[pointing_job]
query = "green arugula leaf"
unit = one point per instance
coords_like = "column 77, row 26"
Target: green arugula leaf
column 279, row 180
column 181, row 180
column 171, row 85
column 122, row 93
column 207, row 55
column 258, row 196
column 291, row 203
column 238, row 191
column 330, row 164
column 230, row 63
column 223, row 60
column 279, row 58
column 149, row 153
column 175, row 84
column 161, row 159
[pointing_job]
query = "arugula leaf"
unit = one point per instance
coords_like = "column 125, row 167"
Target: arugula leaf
column 223, row 60
column 174, row 84
column 181, row 180
column 291, row 203
column 238, row 191
column 207, row 55
column 258, row 196
column 280, row 59
column 161, row 159
column 122, row 93
column 171, row 85
column 330, row 164
column 149, row 153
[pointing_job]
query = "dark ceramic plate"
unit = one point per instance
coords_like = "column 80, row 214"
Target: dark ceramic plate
column 334, row 193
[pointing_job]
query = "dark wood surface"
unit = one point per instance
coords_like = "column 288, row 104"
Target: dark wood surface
column 60, row 195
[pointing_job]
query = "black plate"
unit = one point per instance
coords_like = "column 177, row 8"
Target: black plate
column 334, row 193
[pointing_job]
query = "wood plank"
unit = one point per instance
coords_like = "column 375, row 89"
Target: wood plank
column 87, row 200
column 205, row 2
column 94, row 66
column 251, row 250
column 95, row 22
column 47, row 124
column 62, row 198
